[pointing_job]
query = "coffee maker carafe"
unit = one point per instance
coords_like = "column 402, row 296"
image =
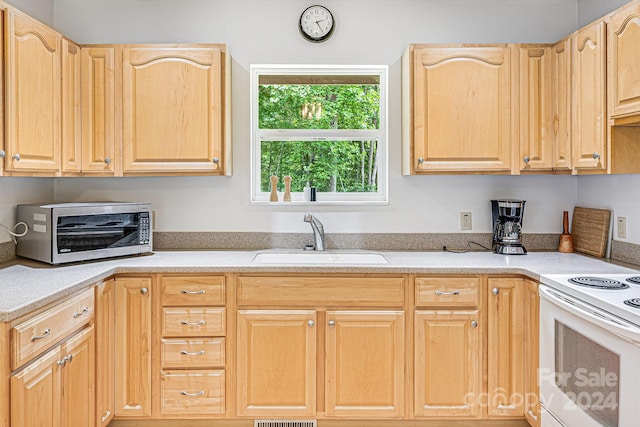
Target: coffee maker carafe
column 507, row 226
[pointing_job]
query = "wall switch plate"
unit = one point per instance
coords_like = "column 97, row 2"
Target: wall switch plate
column 622, row 227
column 465, row 221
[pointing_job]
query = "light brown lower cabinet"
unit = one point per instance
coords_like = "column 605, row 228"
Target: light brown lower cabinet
column 105, row 352
column 531, row 352
column 57, row 389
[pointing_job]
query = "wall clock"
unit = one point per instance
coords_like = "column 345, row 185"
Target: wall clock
column 316, row 24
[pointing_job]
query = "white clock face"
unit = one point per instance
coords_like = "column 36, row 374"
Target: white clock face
column 316, row 23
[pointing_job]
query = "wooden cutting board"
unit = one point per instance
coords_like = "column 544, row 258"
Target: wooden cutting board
column 590, row 230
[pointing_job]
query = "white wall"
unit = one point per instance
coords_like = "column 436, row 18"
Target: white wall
column 368, row 32
column 14, row 191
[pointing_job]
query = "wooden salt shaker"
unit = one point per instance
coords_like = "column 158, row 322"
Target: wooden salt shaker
column 274, row 189
column 287, row 188
column 566, row 241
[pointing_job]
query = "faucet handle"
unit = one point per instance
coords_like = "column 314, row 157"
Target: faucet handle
column 309, row 246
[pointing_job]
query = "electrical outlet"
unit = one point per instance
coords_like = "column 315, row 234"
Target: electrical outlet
column 622, row 227
column 465, row 221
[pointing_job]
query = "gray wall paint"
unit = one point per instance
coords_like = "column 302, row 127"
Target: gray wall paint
column 590, row 10
column 42, row 10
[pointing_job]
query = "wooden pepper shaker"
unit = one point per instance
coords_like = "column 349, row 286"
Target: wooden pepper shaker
column 287, row 188
column 566, row 241
column 274, row 189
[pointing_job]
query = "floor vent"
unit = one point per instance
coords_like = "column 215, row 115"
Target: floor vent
column 285, row 423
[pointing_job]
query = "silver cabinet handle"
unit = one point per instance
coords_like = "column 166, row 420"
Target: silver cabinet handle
column 39, row 337
column 420, row 160
column 596, row 156
column 200, row 292
column 144, row 291
column 502, row 407
column 216, row 160
column 199, row 323
column 84, row 311
column 3, row 154
column 495, row 291
column 311, row 323
column 107, row 160
column 196, row 394
column 474, row 324
column 70, row 358
column 526, row 159
column 16, row 157
column 196, row 353
column 106, row 415
column 447, row 293
column 332, row 323
column 62, row 362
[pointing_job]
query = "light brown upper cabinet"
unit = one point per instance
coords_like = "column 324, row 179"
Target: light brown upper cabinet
column 589, row 99
column 561, row 105
column 624, row 61
column 458, row 109
column 173, row 109
column 32, row 96
column 71, row 162
column 99, row 154
column 535, row 100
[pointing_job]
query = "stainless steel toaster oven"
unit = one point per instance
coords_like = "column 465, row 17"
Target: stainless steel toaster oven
column 71, row 232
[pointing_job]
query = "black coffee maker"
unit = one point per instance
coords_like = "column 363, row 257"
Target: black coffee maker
column 507, row 226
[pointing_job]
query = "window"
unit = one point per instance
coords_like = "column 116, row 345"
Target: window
column 325, row 127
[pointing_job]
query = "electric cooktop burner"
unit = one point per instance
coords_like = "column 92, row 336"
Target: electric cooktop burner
column 635, row 280
column 634, row 302
column 598, row 283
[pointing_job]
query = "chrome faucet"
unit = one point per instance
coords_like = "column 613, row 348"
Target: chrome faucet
column 318, row 231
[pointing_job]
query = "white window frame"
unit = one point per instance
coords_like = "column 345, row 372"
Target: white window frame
column 381, row 134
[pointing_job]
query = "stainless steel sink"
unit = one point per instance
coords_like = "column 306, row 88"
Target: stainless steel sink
column 319, row 258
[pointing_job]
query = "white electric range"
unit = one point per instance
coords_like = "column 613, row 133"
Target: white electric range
column 589, row 350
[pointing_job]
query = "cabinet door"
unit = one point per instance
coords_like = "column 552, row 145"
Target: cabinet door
column 536, row 137
column 133, row 347
column 589, row 98
column 105, row 356
column 561, row 105
column 32, row 95
column 35, row 393
column 531, row 352
column 276, row 363
column 71, row 118
column 365, row 364
column 172, row 109
column 624, row 61
column 462, row 112
column 448, row 363
column 505, row 347
column 98, row 110
column 78, row 385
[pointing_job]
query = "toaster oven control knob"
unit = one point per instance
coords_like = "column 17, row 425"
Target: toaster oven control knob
column 495, row 291
column 3, row 154
column 16, row 157
column 144, row 291
column 596, row 156
column 107, row 161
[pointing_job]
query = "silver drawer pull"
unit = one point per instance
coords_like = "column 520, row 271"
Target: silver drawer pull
column 39, row 337
column 200, row 323
column 200, row 292
column 199, row 393
column 447, row 293
column 106, row 415
column 84, row 311
column 196, row 353
column 505, row 407
column 62, row 361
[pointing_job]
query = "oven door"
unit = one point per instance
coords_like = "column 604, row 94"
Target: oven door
column 589, row 364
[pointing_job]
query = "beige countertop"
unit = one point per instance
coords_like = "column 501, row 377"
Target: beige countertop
column 27, row 286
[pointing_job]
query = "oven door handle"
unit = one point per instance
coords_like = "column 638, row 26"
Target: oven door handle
column 598, row 317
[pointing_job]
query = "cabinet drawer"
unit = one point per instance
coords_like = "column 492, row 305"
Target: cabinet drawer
column 193, row 322
column 192, row 290
column 192, row 392
column 310, row 290
column 448, row 291
column 38, row 333
column 193, row 353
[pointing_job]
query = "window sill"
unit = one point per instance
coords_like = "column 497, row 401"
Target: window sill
column 322, row 203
